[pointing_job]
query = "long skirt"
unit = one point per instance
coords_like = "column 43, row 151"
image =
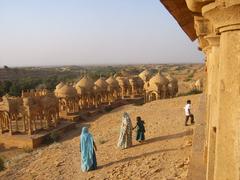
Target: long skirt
column 94, row 165
column 140, row 136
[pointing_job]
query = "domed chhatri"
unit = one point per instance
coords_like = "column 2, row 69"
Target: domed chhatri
column 112, row 82
column 66, row 91
column 158, row 79
column 145, row 75
column 58, row 87
column 101, row 91
column 171, row 79
column 102, row 84
column 137, row 86
column 68, row 100
column 124, row 86
column 114, row 89
column 172, row 86
column 61, row 84
column 85, row 83
column 160, row 87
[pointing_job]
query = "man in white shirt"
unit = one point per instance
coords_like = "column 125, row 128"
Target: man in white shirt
column 188, row 113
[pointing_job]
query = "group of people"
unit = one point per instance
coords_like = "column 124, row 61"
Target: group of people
column 88, row 146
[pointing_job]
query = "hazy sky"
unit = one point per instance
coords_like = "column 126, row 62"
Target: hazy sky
column 75, row 32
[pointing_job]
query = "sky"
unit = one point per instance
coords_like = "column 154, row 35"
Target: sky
column 80, row 32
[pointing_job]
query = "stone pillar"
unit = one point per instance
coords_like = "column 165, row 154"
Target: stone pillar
column 225, row 17
column 213, row 72
column 203, row 28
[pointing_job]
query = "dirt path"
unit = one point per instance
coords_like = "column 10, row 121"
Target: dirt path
column 164, row 155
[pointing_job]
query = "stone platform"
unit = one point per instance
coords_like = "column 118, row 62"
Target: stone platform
column 72, row 118
column 198, row 166
column 35, row 140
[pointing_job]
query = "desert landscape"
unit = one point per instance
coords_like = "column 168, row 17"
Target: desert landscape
column 67, row 67
column 164, row 155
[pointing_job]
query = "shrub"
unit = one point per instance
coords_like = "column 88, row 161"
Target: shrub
column 191, row 92
column 108, row 109
column 187, row 80
column 102, row 141
column 53, row 137
column 190, row 76
column 27, row 149
column 194, row 91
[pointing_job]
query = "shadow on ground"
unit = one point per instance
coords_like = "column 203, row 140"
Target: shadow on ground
column 167, row 137
column 135, row 157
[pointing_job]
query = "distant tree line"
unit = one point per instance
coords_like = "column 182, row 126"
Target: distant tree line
column 15, row 87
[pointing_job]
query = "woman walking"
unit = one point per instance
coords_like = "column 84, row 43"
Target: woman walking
column 125, row 137
column 87, row 146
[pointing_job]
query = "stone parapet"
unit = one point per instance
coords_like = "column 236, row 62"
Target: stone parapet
column 197, row 167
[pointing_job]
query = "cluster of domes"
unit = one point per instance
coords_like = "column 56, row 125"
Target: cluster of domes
column 160, row 87
column 86, row 86
column 141, row 85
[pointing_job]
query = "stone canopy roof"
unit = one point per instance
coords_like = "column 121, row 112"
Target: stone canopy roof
column 179, row 10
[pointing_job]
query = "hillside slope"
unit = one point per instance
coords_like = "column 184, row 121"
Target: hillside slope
column 164, row 155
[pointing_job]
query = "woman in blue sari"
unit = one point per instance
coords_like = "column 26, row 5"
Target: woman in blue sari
column 87, row 149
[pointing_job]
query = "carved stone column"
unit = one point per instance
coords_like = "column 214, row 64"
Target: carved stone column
column 212, row 110
column 203, row 28
column 225, row 17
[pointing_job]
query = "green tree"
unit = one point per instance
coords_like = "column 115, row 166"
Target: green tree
column 15, row 89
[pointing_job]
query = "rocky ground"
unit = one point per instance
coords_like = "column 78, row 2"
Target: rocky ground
column 164, row 156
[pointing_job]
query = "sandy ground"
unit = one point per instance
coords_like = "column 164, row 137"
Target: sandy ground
column 164, row 155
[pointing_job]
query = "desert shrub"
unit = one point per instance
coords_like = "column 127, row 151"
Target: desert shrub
column 194, row 91
column 180, row 68
column 53, row 137
column 108, row 109
column 102, row 141
column 187, row 80
column 2, row 166
column 27, row 149
column 191, row 92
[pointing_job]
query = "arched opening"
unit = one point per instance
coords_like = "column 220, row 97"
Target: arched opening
column 153, row 96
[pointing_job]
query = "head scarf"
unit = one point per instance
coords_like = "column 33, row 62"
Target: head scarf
column 125, row 131
column 86, row 141
column 126, row 120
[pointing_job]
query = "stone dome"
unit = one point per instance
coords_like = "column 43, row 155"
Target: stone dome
column 158, row 79
column 112, row 82
column 123, row 82
column 58, row 87
column 136, row 80
column 101, row 83
column 66, row 91
column 171, row 79
column 61, row 84
column 145, row 75
column 85, row 83
column 199, row 83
